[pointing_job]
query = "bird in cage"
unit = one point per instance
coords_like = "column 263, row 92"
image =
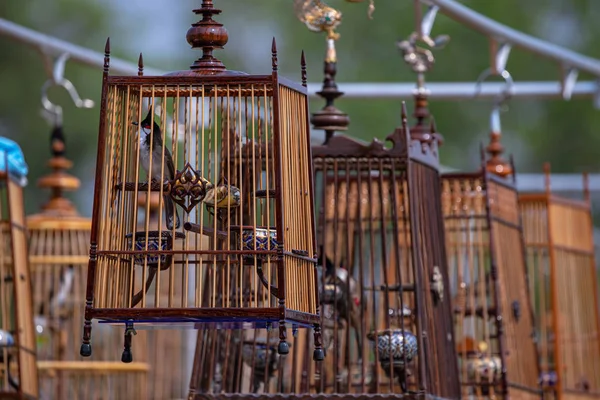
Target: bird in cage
column 151, row 138
column 339, row 287
column 221, row 196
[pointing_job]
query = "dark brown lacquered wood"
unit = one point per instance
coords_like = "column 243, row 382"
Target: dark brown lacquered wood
column 298, row 87
column 208, row 35
column 496, row 164
column 280, row 219
column 330, row 119
column 422, row 131
column 89, row 298
column 245, row 80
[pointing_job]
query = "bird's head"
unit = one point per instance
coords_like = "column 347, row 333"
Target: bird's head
column 207, row 184
column 147, row 123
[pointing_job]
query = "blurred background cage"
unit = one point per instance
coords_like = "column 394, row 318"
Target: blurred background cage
column 488, row 281
column 18, row 370
column 381, row 284
column 562, row 278
column 222, row 234
column 59, row 253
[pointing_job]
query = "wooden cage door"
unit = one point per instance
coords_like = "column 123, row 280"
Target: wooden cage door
column 25, row 330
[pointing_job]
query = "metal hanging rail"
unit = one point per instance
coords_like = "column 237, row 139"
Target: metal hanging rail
column 503, row 38
column 441, row 91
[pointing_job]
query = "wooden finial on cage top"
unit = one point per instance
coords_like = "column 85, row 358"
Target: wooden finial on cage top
column 58, row 180
column 303, row 68
column 107, row 55
column 274, row 55
column 421, row 61
column 208, row 35
column 420, row 131
column 141, row 65
column 496, row 164
column 330, row 119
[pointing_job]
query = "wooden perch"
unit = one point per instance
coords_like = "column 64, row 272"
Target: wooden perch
column 205, row 230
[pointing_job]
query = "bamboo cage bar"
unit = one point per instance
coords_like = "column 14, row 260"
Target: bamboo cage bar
column 563, row 288
column 229, row 251
column 18, row 372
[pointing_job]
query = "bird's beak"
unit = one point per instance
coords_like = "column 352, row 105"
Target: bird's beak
column 135, row 123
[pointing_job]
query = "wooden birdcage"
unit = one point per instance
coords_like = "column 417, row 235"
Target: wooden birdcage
column 563, row 286
column 372, row 219
column 488, row 281
column 58, row 254
column 18, row 371
column 221, row 236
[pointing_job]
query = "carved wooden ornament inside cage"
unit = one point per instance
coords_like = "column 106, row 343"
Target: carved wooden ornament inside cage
column 236, row 244
column 563, row 287
column 18, row 370
column 59, row 253
column 382, row 288
column 488, row 281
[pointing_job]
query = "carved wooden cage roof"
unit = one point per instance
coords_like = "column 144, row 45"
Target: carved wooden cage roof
column 562, row 278
column 222, row 240
column 383, row 260
column 18, row 370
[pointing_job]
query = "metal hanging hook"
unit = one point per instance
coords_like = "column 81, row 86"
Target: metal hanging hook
column 500, row 103
column 57, row 79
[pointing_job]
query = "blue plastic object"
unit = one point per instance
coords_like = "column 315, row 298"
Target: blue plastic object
column 11, row 153
column 6, row 339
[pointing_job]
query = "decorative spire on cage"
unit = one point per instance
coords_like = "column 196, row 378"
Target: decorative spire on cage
column 421, row 61
column 329, row 119
column 495, row 163
column 208, row 35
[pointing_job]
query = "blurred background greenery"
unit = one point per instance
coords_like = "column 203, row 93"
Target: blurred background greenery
column 534, row 130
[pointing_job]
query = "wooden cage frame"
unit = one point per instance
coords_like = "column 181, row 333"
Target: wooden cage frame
column 291, row 262
column 563, row 286
column 16, row 297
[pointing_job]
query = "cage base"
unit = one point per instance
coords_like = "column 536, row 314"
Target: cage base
column 199, row 318
column 177, row 323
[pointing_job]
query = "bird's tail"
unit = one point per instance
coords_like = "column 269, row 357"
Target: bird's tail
column 169, row 207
